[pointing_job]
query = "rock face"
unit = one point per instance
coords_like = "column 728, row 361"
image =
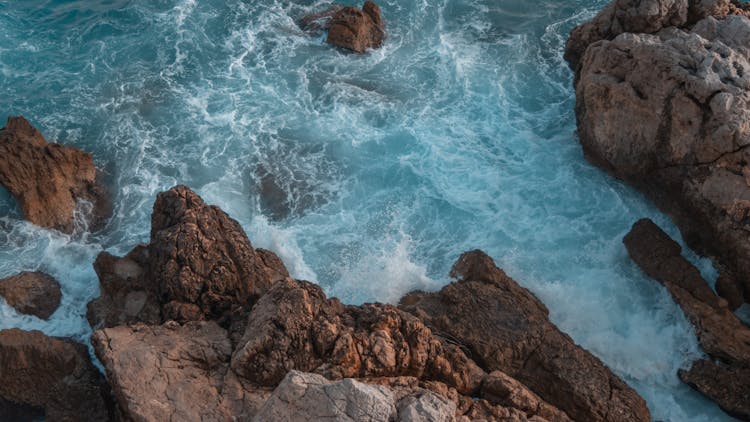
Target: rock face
column 726, row 378
column 32, row 293
column 214, row 326
column 681, row 69
column 303, row 397
column 198, row 265
column 52, row 376
column 523, row 343
column 349, row 27
column 56, row 186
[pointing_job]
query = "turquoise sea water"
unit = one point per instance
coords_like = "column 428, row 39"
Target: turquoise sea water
column 367, row 174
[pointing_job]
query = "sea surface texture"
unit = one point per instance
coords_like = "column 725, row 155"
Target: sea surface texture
column 368, row 174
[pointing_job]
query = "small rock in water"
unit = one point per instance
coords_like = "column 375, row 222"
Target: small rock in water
column 32, row 293
column 349, row 27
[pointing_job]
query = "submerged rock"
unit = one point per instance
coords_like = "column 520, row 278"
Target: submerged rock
column 199, row 265
column 505, row 328
column 726, row 377
column 349, row 27
column 681, row 69
column 52, row 183
column 32, row 293
column 52, row 375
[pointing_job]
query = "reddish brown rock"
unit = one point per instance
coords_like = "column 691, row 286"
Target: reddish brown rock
column 199, row 265
column 32, row 293
column 723, row 336
column 51, row 182
column 357, row 29
column 505, row 328
column 56, row 375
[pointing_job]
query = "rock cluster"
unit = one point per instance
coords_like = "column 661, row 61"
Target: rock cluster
column 56, row 186
column 32, row 293
column 681, row 69
column 725, row 378
column 349, row 27
column 264, row 346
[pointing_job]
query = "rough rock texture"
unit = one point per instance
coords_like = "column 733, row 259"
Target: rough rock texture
column 32, row 293
column 357, row 29
column 56, row 186
column 649, row 16
column 173, row 372
column 56, row 375
column 723, row 336
column 689, row 91
column 523, row 343
column 303, row 397
column 198, row 265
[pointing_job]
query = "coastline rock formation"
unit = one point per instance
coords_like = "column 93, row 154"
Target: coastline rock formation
column 52, row 183
column 32, row 293
column 349, row 27
column 681, row 70
column 725, row 378
column 49, row 376
column 248, row 347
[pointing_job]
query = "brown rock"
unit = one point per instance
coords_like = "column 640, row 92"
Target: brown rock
column 32, row 293
column 173, row 372
column 199, row 265
column 505, row 328
column 53, row 374
column 357, row 29
column 723, row 336
column 689, row 92
column 731, row 290
column 51, row 182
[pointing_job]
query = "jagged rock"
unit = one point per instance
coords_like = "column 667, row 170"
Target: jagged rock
column 52, row 183
column 357, row 29
column 56, row 375
column 644, row 16
column 505, row 328
column 689, row 91
column 174, row 372
column 32, row 293
column 723, row 336
column 199, row 265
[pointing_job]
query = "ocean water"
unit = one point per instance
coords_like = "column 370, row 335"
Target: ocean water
column 367, row 174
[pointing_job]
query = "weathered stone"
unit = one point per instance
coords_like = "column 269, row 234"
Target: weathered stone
column 56, row 186
column 32, row 293
column 56, row 375
column 505, row 328
column 723, row 336
column 357, row 29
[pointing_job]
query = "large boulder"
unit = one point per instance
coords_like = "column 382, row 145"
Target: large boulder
column 688, row 87
column 53, row 376
column 349, row 27
column 199, row 265
column 726, row 377
column 505, row 328
column 33, row 293
column 56, row 186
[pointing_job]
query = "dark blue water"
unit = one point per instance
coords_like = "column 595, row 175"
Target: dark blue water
column 368, row 174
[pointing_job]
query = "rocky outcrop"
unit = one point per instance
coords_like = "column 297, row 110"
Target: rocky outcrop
column 199, row 265
column 523, row 343
column 349, row 27
column 32, row 293
column 726, row 377
column 56, row 186
column 52, row 376
column 214, row 327
column 682, row 71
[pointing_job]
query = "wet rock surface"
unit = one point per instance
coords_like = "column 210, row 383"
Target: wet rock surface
column 349, row 27
column 52, row 376
column 725, row 378
column 56, row 186
column 32, row 293
column 680, row 69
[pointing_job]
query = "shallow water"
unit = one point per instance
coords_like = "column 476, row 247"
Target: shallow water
column 367, row 174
